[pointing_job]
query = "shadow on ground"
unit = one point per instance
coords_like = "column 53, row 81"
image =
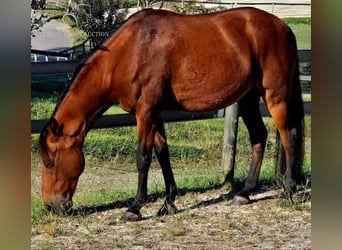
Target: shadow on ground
column 303, row 194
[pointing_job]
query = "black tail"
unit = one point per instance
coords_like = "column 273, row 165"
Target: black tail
column 296, row 121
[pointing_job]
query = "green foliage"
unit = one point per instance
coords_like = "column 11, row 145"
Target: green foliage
column 128, row 3
column 193, row 7
column 101, row 19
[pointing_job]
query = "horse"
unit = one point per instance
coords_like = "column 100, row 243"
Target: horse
column 158, row 61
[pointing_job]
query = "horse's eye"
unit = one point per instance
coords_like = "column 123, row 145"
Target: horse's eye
column 50, row 164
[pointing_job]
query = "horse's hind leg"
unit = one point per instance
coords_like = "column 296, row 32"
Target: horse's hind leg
column 250, row 113
column 279, row 111
column 162, row 152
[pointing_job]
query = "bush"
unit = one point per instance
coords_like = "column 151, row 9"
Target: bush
column 99, row 19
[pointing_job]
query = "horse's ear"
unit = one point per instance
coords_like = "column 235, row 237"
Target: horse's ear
column 47, row 140
column 55, row 128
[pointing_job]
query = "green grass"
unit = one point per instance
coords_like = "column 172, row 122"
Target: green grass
column 302, row 29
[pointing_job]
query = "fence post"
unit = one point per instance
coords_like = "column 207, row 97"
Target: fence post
column 231, row 120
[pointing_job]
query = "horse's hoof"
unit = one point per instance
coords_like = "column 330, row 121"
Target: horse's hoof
column 292, row 189
column 129, row 216
column 240, row 200
column 167, row 210
column 290, row 185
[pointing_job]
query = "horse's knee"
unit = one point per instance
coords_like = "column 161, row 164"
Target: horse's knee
column 143, row 161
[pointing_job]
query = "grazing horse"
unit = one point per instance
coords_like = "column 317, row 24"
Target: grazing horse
column 159, row 60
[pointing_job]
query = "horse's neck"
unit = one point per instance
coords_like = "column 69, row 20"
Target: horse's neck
column 91, row 94
column 79, row 110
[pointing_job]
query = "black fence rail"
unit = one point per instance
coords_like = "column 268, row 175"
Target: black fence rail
column 122, row 120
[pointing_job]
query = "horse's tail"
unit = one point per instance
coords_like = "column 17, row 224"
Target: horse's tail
column 295, row 116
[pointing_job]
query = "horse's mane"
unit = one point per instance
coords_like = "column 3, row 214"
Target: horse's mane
column 42, row 140
column 76, row 72
column 44, row 132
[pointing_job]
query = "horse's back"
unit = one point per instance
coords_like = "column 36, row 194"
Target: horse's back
column 242, row 30
column 215, row 56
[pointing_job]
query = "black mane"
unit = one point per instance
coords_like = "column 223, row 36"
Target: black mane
column 42, row 139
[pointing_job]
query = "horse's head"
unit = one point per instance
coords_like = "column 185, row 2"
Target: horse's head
column 62, row 164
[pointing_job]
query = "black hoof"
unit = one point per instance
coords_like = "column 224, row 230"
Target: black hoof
column 290, row 188
column 130, row 216
column 240, row 200
column 167, row 209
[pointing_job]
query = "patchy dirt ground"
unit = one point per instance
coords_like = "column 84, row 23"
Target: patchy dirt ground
column 206, row 221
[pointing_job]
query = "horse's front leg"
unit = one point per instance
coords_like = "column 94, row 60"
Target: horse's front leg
column 146, row 132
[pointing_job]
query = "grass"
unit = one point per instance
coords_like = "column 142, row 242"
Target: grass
column 302, row 29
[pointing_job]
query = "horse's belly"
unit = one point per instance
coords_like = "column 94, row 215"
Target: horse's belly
column 210, row 81
column 205, row 96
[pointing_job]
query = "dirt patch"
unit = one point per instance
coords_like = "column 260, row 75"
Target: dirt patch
column 206, row 221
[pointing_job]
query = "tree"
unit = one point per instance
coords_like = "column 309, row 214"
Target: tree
column 194, row 7
column 99, row 19
column 143, row 4
column 38, row 4
column 37, row 19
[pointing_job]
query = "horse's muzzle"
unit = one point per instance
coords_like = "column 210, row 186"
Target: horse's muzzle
column 59, row 206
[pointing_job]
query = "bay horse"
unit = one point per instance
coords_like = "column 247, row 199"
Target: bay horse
column 159, row 60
